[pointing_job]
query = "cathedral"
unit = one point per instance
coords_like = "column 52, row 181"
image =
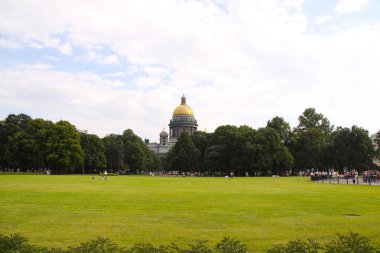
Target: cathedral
column 182, row 121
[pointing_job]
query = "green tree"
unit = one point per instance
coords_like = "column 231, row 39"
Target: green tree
column 246, row 148
column 65, row 152
column 273, row 155
column 339, row 147
column 136, row 153
column 21, row 151
column 94, row 152
column 309, row 145
column 281, row 127
column 184, row 156
column 308, row 149
column 113, row 145
column 129, row 152
column 311, row 119
column 352, row 148
column 40, row 130
column 12, row 125
column 221, row 147
column 27, row 149
column 199, row 139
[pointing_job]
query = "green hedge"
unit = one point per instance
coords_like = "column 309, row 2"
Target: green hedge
column 343, row 243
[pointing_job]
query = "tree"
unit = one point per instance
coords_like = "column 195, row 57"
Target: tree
column 246, row 149
column 184, row 156
column 199, row 139
column 12, row 125
column 65, row 153
column 361, row 152
column 221, row 147
column 309, row 144
column 94, row 152
column 311, row 119
column 134, row 155
column 339, row 148
column 273, row 155
column 21, row 151
column 137, row 155
column 113, row 145
column 41, row 129
column 308, row 149
column 129, row 152
column 353, row 148
column 27, row 148
column 281, row 127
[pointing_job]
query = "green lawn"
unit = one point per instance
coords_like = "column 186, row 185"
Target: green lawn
column 58, row 211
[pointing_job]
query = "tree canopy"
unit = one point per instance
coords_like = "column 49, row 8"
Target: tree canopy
column 28, row 144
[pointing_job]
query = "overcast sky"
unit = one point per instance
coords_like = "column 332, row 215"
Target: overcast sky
column 106, row 66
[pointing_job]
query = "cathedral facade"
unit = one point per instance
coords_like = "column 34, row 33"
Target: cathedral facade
column 183, row 120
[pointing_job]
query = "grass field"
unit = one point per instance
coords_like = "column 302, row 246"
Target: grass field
column 58, row 211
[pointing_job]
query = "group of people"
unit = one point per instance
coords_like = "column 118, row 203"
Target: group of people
column 104, row 176
column 369, row 176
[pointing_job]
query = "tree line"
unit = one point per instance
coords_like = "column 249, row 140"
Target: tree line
column 38, row 145
column 276, row 148
column 28, row 144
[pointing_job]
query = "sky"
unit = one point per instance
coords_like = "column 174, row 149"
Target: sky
column 106, row 66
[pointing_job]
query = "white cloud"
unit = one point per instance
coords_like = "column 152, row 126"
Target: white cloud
column 346, row 6
column 85, row 99
column 116, row 74
column 11, row 44
column 111, row 59
column 102, row 59
column 50, row 57
column 146, row 82
column 322, row 19
column 65, row 49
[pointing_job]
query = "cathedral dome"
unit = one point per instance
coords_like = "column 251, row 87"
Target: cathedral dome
column 183, row 108
column 164, row 133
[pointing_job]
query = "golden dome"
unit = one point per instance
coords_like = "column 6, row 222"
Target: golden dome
column 183, row 108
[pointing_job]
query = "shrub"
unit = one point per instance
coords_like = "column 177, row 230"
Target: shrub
column 144, row 248
column 297, row 246
column 172, row 248
column 99, row 245
column 350, row 243
column 199, row 247
column 18, row 244
column 228, row 245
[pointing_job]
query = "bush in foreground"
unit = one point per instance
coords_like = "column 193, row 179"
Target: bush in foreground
column 296, row 246
column 17, row 243
column 344, row 243
column 350, row 243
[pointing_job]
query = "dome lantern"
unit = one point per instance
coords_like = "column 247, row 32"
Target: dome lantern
column 183, row 108
column 183, row 100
